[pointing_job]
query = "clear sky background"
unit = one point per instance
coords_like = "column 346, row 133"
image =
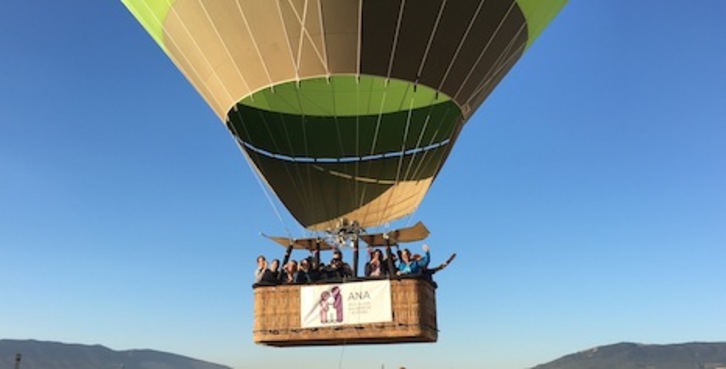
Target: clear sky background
column 586, row 198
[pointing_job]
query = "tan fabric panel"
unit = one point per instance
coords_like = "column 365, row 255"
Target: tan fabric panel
column 181, row 45
column 240, row 59
column 263, row 17
column 307, row 60
column 193, row 77
column 313, row 58
column 395, row 203
column 418, row 232
column 189, row 28
column 301, row 244
column 310, row 63
column 340, row 19
column 291, row 23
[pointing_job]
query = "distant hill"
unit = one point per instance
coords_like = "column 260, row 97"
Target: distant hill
column 55, row 355
column 639, row 356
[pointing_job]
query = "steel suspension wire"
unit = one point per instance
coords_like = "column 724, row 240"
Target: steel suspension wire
column 257, row 172
column 487, row 82
column 428, row 116
column 289, row 43
column 202, row 80
column 461, row 44
column 385, row 93
column 340, row 138
column 176, row 62
column 285, row 163
column 272, row 88
column 408, row 120
column 431, row 39
column 357, row 93
column 306, row 150
column 226, row 49
column 468, row 76
column 322, row 36
column 307, row 203
column 254, row 42
column 486, row 47
column 497, row 63
column 305, row 33
column 400, row 160
column 199, row 50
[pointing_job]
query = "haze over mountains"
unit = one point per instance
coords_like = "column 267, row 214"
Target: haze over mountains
column 640, row 356
column 55, row 355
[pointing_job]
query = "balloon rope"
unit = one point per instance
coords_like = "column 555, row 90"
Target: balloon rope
column 176, row 62
column 226, row 49
column 202, row 54
column 257, row 171
column 488, row 81
column 302, row 29
column 428, row 159
column 474, row 66
column 360, row 38
column 284, row 162
column 461, row 44
column 351, row 186
column 431, row 39
column 400, row 161
column 212, row 95
column 289, row 43
column 254, row 42
column 418, row 144
column 395, row 39
column 489, row 42
column 300, row 193
column 373, row 146
column 322, row 36
column 306, row 149
column 304, row 32
column 428, row 116
column 383, row 99
column 306, row 200
column 357, row 97
column 497, row 63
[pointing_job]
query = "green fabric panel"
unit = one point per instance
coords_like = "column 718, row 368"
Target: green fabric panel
column 313, row 193
column 339, row 137
column 539, row 13
column 343, row 96
column 151, row 15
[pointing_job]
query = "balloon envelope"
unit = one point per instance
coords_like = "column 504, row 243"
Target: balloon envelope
column 346, row 108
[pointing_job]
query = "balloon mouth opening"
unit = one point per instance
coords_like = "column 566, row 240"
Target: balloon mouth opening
column 344, row 96
column 344, row 119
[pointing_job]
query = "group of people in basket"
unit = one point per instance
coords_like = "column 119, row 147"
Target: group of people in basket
column 378, row 266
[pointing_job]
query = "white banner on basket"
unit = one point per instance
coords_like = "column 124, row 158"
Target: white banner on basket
column 345, row 303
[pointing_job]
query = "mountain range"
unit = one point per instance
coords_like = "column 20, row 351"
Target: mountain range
column 640, row 356
column 55, row 355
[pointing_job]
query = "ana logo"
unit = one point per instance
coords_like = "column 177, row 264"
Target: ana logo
column 331, row 306
column 360, row 295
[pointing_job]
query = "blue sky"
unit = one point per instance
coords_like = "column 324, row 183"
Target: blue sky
column 586, row 198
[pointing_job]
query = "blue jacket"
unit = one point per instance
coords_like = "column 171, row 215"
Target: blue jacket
column 415, row 267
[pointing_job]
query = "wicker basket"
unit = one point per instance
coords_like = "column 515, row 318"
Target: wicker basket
column 413, row 301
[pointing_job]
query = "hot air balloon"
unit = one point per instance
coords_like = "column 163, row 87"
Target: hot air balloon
column 347, row 109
